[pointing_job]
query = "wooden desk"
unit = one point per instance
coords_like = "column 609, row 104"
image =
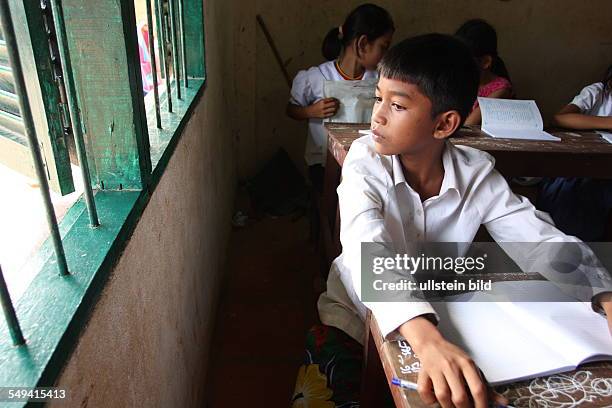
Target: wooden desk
column 589, row 386
column 578, row 154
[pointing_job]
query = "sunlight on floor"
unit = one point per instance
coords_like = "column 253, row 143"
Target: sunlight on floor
column 23, row 224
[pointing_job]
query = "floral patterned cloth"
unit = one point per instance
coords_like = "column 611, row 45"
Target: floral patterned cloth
column 331, row 374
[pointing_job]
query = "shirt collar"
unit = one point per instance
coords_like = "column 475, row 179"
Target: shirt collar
column 449, row 182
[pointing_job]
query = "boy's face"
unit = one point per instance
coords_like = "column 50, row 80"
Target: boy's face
column 401, row 119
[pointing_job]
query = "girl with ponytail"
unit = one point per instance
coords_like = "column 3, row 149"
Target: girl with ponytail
column 352, row 51
column 481, row 38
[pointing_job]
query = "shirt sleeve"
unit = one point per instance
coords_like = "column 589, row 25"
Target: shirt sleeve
column 362, row 200
column 301, row 89
column 587, row 98
column 531, row 239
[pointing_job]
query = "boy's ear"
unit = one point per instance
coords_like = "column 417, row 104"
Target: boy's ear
column 447, row 124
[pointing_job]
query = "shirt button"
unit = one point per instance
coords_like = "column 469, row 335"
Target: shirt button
column 418, row 212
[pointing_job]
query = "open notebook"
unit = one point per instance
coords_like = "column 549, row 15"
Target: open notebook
column 511, row 341
column 512, row 119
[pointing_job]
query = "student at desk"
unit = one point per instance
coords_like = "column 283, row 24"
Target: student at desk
column 494, row 82
column 582, row 206
column 353, row 50
column 404, row 183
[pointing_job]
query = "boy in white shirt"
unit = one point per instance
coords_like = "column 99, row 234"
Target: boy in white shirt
column 405, row 183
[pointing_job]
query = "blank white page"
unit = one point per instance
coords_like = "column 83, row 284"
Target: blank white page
column 504, row 350
column 577, row 325
column 515, row 340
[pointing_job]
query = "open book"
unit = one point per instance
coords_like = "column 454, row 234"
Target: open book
column 511, row 341
column 512, row 119
column 356, row 99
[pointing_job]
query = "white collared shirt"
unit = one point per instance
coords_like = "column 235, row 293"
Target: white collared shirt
column 378, row 205
column 307, row 88
column 594, row 100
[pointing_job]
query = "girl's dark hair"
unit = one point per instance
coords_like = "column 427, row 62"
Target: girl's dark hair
column 481, row 38
column 607, row 81
column 368, row 19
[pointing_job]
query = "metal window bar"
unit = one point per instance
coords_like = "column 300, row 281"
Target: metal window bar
column 24, row 106
column 153, row 63
column 175, row 61
column 163, row 31
column 9, row 310
column 183, row 46
column 157, row 14
column 73, row 108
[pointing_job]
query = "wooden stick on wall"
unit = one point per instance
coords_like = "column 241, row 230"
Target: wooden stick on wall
column 274, row 49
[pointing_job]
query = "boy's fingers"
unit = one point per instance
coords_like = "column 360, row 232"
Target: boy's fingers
column 477, row 386
column 441, row 391
column 425, row 388
column 459, row 395
column 492, row 395
column 497, row 398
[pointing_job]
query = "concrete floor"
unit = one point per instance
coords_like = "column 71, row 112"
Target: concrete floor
column 267, row 305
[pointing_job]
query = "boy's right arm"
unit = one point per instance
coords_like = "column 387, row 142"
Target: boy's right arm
column 321, row 109
column 571, row 117
column 445, row 369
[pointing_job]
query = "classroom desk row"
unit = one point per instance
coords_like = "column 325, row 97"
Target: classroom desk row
column 578, row 154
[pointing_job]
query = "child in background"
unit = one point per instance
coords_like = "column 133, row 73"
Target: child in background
column 481, row 38
column 591, row 108
column 581, row 206
column 353, row 50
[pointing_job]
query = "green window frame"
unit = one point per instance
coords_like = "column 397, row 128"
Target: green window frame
column 127, row 155
column 44, row 100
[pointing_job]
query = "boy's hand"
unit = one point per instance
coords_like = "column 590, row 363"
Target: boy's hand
column 448, row 375
column 605, row 301
column 324, row 108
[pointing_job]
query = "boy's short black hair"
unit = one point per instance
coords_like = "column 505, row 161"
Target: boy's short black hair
column 441, row 66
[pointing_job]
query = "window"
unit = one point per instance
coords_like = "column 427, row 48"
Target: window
column 96, row 81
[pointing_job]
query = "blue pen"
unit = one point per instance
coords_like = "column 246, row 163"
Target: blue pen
column 409, row 385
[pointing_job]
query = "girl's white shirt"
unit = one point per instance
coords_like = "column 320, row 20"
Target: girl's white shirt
column 307, row 89
column 592, row 100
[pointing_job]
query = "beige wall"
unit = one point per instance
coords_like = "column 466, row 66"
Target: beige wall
column 551, row 47
column 147, row 341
